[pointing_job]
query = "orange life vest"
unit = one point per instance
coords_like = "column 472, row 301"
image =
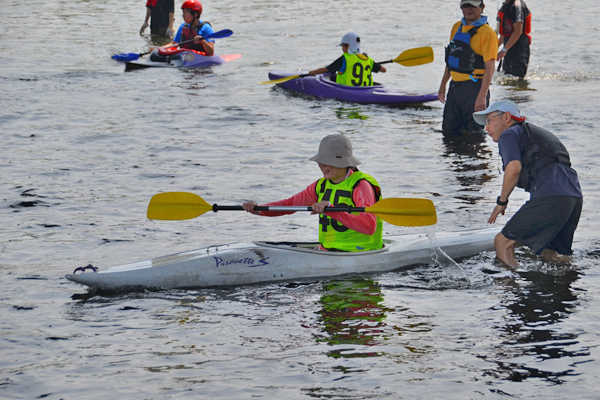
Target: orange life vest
column 506, row 27
column 188, row 32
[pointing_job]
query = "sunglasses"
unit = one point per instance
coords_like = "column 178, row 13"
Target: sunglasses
column 489, row 119
column 468, row 6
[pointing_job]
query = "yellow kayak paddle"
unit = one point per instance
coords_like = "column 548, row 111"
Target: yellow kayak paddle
column 400, row 212
column 408, row 58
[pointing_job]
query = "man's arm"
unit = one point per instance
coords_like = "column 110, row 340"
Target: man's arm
column 518, row 30
column 480, row 102
column 443, row 85
column 145, row 24
column 511, row 177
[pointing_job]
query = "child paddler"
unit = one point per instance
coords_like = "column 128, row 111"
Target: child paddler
column 192, row 28
column 353, row 68
column 342, row 185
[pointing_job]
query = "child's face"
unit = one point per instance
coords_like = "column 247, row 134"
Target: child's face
column 345, row 47
column 187, row 16
column 334, row 174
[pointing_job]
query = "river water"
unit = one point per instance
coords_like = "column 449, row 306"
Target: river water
column 85, row 145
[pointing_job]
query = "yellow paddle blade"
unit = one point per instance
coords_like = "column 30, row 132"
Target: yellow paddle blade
column 177, row 206
column 416, row 56
column 405, row 212
column 280, row 80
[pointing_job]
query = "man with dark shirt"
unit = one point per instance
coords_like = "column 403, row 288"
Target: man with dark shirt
column 514, row 20
column 535, row 160
column 161, row 14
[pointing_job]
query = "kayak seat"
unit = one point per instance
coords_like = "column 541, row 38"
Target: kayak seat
column 174, row 52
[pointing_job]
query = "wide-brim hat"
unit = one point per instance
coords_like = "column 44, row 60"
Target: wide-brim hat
column 336, row 150
column 353, row 41
column 500, row 105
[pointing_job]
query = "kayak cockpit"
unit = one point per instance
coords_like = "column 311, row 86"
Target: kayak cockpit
column 312, row 247
column 326, row 79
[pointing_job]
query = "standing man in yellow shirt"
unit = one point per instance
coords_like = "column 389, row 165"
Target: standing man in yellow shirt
column 470, row 62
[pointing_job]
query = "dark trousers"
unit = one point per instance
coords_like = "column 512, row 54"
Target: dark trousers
column 460, row 106
column 516, row 60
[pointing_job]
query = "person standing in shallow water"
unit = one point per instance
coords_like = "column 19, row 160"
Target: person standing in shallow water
column 514, row 20
column 342, row 184
column 161, row 15
column 535, row 160
column 470, row 62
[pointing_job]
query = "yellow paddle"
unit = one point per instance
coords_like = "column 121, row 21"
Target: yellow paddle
column 281, row 80
column 412, row 57
column 400, row 212
column 408, row 58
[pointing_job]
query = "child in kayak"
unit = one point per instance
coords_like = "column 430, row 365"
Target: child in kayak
column 342, row 185
column 192, row 28
column 353, row 68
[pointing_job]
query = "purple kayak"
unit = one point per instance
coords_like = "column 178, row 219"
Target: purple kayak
column 321, row 86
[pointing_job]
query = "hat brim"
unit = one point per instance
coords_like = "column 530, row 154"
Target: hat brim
column 342, row 162
column 474, row 3
column 480, row 116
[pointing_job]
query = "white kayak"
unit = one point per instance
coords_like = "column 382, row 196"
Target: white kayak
column 247, row 263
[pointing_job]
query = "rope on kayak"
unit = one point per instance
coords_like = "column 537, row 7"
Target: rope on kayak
column 82, row 269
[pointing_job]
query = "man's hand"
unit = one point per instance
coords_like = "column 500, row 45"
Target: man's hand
column 497, row 210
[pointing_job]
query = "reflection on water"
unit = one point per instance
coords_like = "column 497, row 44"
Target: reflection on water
column 518, row 90
column 350, row 113
column 156, row 40
column 469, row 160
column 352, row 314
column 533, row 340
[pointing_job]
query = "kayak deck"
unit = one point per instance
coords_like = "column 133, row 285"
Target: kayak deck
column 321, row 86
column 248, row 263
column 183, row 60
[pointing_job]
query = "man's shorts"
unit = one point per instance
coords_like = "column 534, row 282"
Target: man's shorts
column 546, row 223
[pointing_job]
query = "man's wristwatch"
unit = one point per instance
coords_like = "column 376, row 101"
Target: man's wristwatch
column 500, row 202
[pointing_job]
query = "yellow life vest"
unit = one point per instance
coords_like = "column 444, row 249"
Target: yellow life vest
column 332, row 234
column 358, row 72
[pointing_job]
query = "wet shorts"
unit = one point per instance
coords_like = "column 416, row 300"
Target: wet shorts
column 546, row 223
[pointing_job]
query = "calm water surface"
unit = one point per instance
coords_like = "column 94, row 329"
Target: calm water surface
column 85, row 145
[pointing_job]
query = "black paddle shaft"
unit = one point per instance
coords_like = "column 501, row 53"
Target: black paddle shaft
column 347, row 209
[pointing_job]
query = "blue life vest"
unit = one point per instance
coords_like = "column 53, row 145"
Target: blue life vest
column 460, row 57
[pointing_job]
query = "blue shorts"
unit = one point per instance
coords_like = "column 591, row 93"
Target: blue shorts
column 546, row 223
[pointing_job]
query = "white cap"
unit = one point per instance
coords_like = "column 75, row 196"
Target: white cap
column 474, row 3
column 501, row 105
column 352, row 40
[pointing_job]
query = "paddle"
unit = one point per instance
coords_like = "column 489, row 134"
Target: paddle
column 402, row 212
column 126, row 57
column 408, row 58
column 412, row 57
column 281, row 80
